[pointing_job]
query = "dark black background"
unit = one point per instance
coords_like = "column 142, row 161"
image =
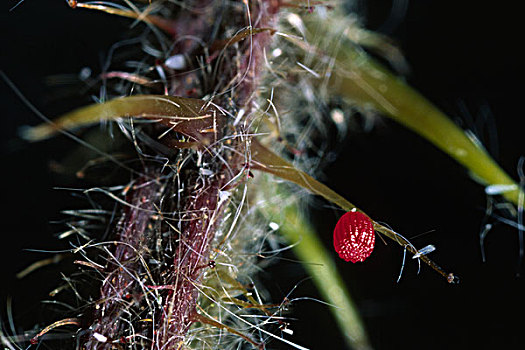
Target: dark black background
column 460, row 53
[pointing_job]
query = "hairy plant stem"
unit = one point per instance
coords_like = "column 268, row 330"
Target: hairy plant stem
column 122, row 286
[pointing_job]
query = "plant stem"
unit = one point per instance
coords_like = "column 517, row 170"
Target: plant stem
column 361, row 79
column 320, row 266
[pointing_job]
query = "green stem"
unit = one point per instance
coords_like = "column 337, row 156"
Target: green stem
column 361, row 79
column 320, row 266
column 367, row 83
column 265, row 160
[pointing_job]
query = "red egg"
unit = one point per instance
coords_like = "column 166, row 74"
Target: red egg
column 354, row 237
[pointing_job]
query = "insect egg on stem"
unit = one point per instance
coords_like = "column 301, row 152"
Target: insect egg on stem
column 354, row 237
